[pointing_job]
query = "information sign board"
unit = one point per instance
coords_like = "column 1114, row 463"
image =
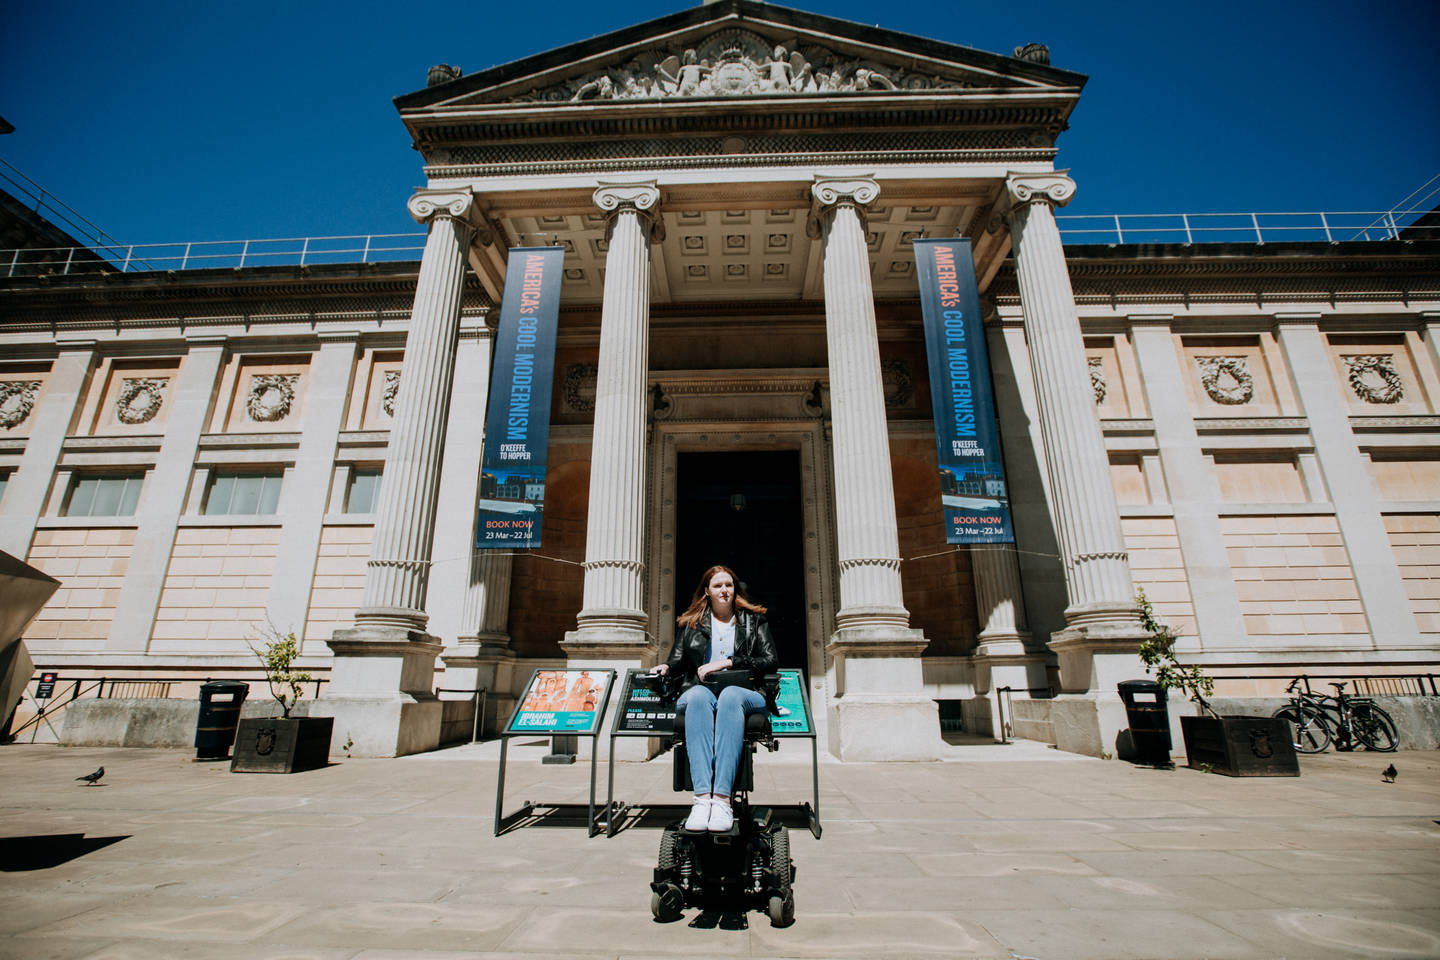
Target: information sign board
column 45, row 689
column 643, row 707
column 793, row 706
column 561, row 702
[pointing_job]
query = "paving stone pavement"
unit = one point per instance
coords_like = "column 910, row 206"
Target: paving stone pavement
column 1008, row 852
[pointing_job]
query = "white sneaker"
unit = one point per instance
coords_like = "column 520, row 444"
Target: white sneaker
column 722, row 818
column 699, row 818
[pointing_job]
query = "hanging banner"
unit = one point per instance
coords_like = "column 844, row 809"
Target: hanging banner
column 517, row 424
column 972, row 474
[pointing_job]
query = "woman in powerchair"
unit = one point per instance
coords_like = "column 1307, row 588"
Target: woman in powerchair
column 720, row 630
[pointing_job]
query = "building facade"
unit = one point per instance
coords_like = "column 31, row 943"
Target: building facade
column 1247, row 432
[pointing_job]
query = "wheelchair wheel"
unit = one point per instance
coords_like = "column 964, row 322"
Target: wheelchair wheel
column 781, row 909
column 668, row 905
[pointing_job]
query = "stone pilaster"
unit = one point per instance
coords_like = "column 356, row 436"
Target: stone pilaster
column 163, row 499
column 382, row 684
column 1097, row 649
column 306, row 491
column 880, row 710
column 612, row 622
column 54, row 414
column 1193, row 490
column 1347, row 477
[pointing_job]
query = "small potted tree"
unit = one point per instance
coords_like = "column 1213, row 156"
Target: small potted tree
column 1237, row 746
column 282, row 744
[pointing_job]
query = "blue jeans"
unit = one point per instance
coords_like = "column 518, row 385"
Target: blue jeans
column 715, row 733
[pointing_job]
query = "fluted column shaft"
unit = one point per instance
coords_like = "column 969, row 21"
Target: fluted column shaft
column 486, row 612
column 615, row 532
column 1087, row 519
column 398, row 571
column 867, row 537
column 997, row 590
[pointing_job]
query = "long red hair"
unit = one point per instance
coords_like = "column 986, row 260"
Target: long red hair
column 701, row 601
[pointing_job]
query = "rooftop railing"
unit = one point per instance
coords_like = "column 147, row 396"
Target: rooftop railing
column 1075, row 229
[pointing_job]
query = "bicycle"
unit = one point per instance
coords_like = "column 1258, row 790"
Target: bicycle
column 1358, row 720
column 1309, row 725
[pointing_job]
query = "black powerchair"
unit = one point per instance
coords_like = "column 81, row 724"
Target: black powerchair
column 747, row 866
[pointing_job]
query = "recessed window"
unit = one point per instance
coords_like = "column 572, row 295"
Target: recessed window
column 4, row 479
column 364, row 493
column 243, row 494
column 107, row 496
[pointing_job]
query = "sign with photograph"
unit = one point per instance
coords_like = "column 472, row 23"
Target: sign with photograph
column 561, row 702
column 517, row 422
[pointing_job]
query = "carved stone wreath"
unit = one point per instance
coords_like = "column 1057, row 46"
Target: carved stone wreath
column 140, row 399
column 1226, row 380
column 579, row 387
column 734, row 62
column 389, row 391
column 1097, row 379
column 899, row 384
column 271, row 395
column 1374, row 378
column 17, row 399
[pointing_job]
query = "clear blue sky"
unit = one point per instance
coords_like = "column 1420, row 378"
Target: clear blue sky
column 191, row 120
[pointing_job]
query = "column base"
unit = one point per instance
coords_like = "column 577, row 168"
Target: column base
column 880, row 708
column 1007, row 661
column 1095, row 657
column 486, row 663
column 381, row 692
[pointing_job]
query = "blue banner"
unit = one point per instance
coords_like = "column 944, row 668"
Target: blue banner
column 967, row 439
column 517, row 422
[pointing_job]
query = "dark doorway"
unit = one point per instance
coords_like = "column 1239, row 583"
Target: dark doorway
column 742, row 510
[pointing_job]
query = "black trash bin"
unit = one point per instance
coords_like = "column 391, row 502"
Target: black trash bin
column 1149, row 720
column 220, row 702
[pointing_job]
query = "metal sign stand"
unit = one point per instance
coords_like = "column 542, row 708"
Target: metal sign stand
column 505, row 820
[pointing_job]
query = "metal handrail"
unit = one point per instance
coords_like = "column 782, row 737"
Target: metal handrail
column 1076, row 229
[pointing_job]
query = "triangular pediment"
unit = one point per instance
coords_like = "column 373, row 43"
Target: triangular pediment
column 740, row 49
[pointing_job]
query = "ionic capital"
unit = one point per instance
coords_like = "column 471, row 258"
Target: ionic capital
column 827, row 194
column 1055, row 189
column 643, row 198
column 427, row 205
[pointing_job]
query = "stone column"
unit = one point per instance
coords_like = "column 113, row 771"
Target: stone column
column 381, row 691
column 1352, row 489
column 54, row 415
column 163, row 500
column 881, row 712
column 470, row 602
column 1098, row 647
column 1006, row 655
column 306, row 492
column 612, row 623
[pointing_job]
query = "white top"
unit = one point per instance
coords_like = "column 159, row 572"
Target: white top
column 722, row 639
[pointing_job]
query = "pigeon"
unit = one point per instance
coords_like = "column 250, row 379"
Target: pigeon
column 1388, row 774
column 93, row 778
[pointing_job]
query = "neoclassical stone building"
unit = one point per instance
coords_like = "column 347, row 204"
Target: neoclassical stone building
column 1247, row 432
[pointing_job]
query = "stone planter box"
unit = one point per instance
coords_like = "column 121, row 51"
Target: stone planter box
column 282, row 745
column 1240, row 746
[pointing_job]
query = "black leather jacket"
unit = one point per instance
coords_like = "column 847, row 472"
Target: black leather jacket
column 754, row 647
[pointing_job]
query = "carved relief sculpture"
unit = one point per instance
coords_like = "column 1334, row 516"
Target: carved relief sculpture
column 1097, row 379
column 737, row 63
column 389, row 391
column 1226, row 380
column 1374, row 378
column 17, row 399
column 899, row 384
column 579, row 387
column 140, row 399
column 271, row 396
